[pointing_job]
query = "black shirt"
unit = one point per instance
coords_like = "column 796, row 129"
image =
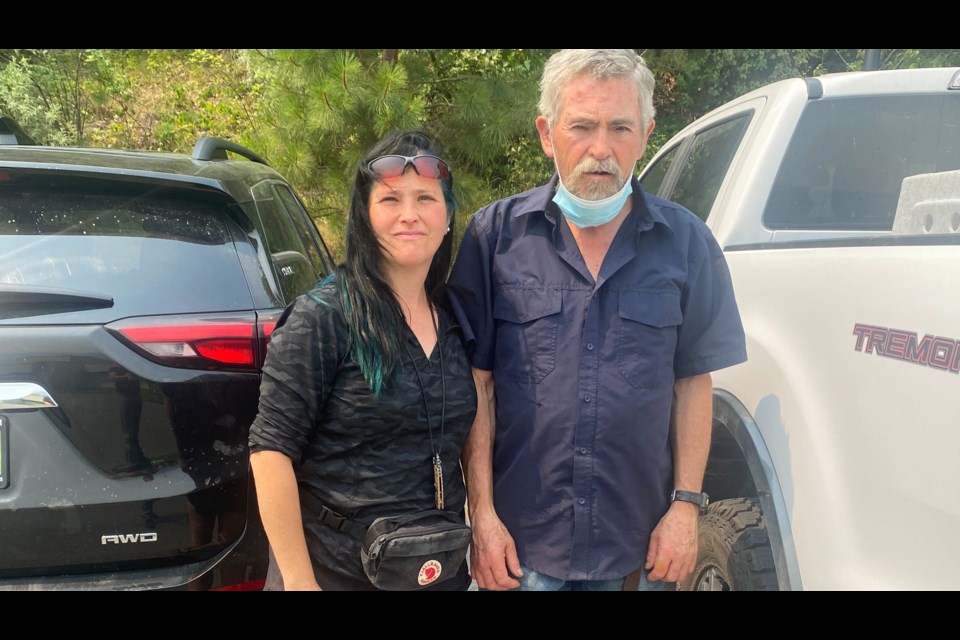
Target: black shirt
column 360, row 455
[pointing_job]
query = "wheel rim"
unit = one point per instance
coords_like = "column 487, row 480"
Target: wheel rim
column 712, row 579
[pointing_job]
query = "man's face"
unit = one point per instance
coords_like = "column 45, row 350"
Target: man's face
column 598, row 137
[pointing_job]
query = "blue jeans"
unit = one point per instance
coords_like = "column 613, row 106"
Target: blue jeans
column 533, row 581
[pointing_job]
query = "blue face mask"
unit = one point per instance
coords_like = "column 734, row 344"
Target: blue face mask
column 590, row 213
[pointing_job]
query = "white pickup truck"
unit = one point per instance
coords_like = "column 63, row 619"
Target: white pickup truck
column 835, row 462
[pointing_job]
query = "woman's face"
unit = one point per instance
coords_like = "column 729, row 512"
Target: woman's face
column 409, row 218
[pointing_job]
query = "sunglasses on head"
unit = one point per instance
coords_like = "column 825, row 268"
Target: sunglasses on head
column 425, row 165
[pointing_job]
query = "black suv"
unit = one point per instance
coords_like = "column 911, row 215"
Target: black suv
column 137, row 294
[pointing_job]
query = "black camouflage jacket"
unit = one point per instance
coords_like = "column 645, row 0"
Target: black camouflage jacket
column 361, row 456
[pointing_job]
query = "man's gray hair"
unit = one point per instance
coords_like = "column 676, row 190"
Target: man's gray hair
column 599, row 64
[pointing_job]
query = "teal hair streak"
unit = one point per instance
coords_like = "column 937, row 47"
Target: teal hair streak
column 365, row 351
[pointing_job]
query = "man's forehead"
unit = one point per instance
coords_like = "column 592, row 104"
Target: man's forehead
column 622, row 114
column 584, row 96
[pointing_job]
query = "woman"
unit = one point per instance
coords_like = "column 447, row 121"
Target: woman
column 366, row 386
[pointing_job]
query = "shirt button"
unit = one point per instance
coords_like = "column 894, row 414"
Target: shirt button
column 586, row 398
column 589, row 346
column 582, row 501
column 583, row 450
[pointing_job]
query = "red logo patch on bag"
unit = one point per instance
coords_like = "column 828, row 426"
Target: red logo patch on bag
column 429, row 572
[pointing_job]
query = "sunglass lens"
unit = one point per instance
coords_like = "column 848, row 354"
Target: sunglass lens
column 389, row 166
column 427, row 166
column 432, row 167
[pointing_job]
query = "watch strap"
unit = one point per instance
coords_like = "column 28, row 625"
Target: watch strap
column 699, row 499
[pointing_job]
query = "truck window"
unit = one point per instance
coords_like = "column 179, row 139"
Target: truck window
column 707, row 164
column 848, row 157
column 653, row 177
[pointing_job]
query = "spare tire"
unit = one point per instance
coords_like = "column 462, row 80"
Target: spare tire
column 734, row 550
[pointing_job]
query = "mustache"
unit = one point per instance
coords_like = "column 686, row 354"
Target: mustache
column 592, row 165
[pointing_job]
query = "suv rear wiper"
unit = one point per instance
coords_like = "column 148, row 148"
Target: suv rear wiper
column 17, row 301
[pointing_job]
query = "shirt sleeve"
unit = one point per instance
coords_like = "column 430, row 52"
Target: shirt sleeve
column 299, row 371
column 711, row 336
column 471, row 293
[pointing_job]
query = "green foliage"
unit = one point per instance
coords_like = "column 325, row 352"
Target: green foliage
column 325, row 107
column 692, row 82
column 71, row 85
column 917, row 58
column 21, row 99
column 483, row 106
column 328, row 106
column 166, row 99
column 158, row 99
column 312, row 112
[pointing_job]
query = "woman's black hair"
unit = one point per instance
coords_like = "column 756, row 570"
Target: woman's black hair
column 373, row 312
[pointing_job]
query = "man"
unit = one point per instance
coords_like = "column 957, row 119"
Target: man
column 594, row 314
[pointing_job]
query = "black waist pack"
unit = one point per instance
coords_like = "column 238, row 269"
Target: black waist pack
column 404, row 552
column 414, row 550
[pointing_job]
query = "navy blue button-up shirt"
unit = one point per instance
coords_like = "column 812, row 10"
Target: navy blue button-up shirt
column 584, row 370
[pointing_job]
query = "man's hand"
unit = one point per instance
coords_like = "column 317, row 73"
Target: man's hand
column 672, row 553
column 493, row 554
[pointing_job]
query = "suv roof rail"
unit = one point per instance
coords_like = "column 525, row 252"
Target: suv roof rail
column 13, row 133
column 210, row 148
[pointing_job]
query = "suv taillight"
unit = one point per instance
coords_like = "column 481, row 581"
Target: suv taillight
column 235, row 341
column 267, row 322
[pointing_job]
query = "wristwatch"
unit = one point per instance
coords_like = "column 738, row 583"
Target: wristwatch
column 699, row 499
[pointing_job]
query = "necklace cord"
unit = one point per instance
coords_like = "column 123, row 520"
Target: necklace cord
column 423, row 393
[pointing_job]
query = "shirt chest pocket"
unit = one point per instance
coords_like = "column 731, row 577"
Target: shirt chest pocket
column 647, row 336
column 527, row 324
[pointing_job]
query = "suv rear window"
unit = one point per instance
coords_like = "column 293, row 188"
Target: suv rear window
column 848, row 157
column 152, row 251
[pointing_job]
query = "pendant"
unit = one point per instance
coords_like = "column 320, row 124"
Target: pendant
column 437, row 481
